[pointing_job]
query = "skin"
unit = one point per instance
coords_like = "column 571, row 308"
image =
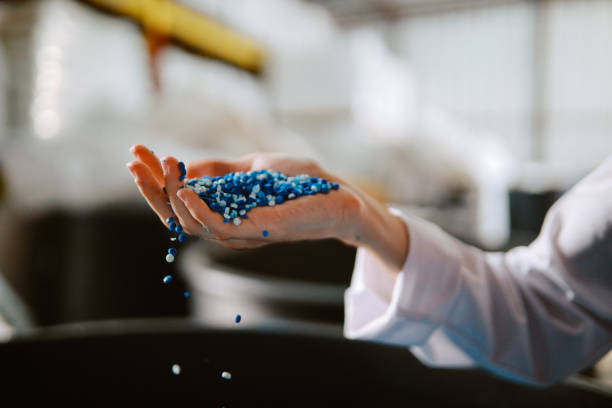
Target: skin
column 347, row 214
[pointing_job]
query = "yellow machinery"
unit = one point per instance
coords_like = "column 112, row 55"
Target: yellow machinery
column 166, row 19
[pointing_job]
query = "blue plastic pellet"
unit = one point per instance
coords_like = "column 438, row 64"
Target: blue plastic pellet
column 172, row 226
column 182, row 171
column 182, row 237
column 172, row 251
column 178, row 229
column 169, row 220
column 167, row 279
column 186, row 294
column 265, row 233
column 238, row 318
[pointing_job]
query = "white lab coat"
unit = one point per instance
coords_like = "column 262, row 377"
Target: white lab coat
column 534, row 314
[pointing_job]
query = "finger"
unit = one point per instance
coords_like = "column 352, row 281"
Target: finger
column 173, row 184
column 150, row 189
column 214, row 221
column 205, row 216
column 250, row 229
column 146, row 156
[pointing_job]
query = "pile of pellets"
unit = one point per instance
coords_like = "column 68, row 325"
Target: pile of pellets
column 235, row 194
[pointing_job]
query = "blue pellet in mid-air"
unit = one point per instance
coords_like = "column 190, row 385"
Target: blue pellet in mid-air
column 235, row 194
column 171, row 226
column 182, row 237
column 172, row 251
column 178, row 229
column 167, row 279
column 169, row 219
column 186, row 294
column 238, row 318
column 265, row 233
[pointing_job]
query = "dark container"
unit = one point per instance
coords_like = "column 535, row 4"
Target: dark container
column 130, row 363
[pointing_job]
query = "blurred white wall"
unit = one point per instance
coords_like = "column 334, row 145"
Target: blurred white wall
column 477, row 64
column 578, row 88
column 536, row 75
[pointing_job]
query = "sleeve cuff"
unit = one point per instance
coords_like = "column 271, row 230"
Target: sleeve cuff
column 410, row 309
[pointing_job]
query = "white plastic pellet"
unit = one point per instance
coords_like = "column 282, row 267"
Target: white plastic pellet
column 176, row 369
column 226, row 375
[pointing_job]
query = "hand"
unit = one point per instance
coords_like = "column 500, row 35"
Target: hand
column 309, row 217
column 346, row 214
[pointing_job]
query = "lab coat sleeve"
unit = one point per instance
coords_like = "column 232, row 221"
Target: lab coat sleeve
column 534, row 314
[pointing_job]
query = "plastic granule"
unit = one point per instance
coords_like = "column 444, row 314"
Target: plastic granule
column 265, row 233
column 178, row 229
column 182, row 170
column 169, row 258
column 226, row 375
column 235, row 194
column 176, row 369
column 238, row 318
column 182, row 237
column 186, row 294
column 167, row 279
column 172, row 251
column 169, row 219
column 171, row 226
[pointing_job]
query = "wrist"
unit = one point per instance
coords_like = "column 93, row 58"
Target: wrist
column 373, row 226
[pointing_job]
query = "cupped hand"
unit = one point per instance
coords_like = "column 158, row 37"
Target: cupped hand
column 316, row 216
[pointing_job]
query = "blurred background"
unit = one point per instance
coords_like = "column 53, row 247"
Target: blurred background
column 475, row 114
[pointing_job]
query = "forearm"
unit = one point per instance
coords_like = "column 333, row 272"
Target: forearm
column 515, row 313
column 372, row 226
